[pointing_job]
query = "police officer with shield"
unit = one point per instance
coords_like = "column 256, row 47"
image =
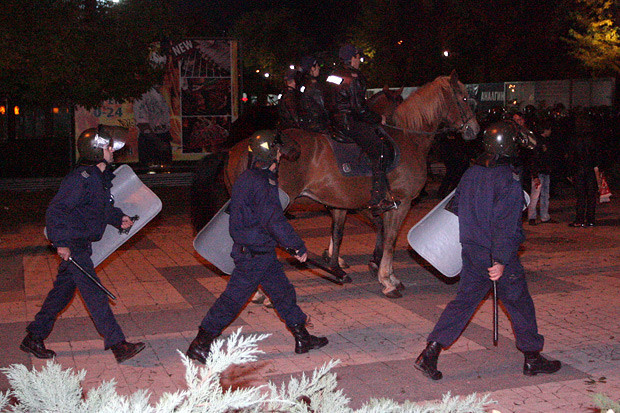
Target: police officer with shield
column 77, row 217
column 257, row 226
column 489, row 202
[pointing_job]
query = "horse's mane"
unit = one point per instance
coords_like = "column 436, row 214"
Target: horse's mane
column 422, row 107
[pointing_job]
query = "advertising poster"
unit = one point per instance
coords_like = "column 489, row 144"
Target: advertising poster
column 182, row 119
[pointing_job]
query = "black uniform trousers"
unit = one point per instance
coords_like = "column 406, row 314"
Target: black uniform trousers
column 474, row 285
column 68, row 279
column 586, row 191
column 366, row 137
column 252, row 270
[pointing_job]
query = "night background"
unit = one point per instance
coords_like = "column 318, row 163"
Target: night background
column 63, row 53
column 45, row 44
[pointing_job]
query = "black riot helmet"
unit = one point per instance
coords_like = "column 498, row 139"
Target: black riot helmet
column 91, row 142
column 263, row 146
column 505, row 137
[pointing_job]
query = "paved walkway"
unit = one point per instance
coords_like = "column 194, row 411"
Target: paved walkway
column 164, row 288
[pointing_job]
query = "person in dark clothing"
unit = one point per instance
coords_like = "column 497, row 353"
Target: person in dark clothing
column 540, row 168
column 584, row 162
column 289, row 105
column 352, row 117
column 257, row 226
column 489, row 202
column 77, row 217
column 453, row 154
column 313, row 96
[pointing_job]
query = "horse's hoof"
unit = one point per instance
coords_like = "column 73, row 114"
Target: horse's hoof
column 326, row 257
column 345, row 279
column 392, row 294
column 373, row 267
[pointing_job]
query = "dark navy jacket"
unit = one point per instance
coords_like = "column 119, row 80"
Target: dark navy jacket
column 489, row 202
column 256, row 217
column 82, row 207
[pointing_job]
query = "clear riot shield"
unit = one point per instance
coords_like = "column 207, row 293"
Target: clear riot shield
column 214, row 242
column 135, row 199
column 436, row 238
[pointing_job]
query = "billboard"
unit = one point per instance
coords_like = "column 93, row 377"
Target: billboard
column 186, row 116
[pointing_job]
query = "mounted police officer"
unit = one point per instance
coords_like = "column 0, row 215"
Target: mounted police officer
column 77, row 217
column 289, row 105
column 489, row 203
column 352, row 117
column 257, row 226
column 313, row 96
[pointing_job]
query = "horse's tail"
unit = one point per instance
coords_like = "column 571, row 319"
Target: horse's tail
column 208, row 191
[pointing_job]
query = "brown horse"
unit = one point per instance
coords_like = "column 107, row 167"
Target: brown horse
column 315, row 174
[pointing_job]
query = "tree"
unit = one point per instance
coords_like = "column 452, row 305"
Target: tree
column 80, row 52
column 595, row 38
column 270, row 41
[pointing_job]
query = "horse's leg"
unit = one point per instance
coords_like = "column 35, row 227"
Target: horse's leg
column 392, row 221
column 338, row 218
column 329, row 251
column 377, row 254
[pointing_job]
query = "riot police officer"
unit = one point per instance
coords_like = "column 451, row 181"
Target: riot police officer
column 489, row 202
column 313, row 96
column 289, row 104
column 77, row 217
column 352, row 117
column 257, row 226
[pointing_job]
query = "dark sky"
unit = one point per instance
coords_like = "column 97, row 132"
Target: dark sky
column 320, row 19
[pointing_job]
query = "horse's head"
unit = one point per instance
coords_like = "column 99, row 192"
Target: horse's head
column 386, row 101
column 460, row 114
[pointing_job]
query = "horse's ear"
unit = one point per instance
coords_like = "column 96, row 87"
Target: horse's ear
column 400, row 91
column 386, row 88
column 454, row 78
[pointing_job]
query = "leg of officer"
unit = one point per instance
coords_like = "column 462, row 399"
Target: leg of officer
column 242, row 284
column 96, row 301
column 57, row 299
column 281, row 292
column 473, row 287
column 512, row 291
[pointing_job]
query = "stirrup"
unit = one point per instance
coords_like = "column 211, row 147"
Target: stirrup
column 383, row 206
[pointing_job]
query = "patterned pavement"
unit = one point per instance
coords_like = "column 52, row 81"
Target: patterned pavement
column 164, row 288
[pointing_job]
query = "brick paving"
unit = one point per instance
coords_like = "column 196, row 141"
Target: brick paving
column 164, row 288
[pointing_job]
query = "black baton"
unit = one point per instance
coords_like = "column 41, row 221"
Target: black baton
column 339, row 273
column 93, row 279
column 495, row 314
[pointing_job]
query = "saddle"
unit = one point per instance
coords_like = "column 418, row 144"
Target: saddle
column 352, row 161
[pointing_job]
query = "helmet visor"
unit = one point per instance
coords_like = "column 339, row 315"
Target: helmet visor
column 101, row 141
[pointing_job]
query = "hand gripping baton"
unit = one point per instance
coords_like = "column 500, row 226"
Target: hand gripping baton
column 93, row 279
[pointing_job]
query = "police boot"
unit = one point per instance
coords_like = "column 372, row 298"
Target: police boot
column 304, row 341
column 535, row 363
column 378, row 203
column 123, row 351
column 34, row 345
column 200, row 347
column 427, row 361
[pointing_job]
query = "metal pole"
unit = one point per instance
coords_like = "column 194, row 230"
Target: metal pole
column 495, row 314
